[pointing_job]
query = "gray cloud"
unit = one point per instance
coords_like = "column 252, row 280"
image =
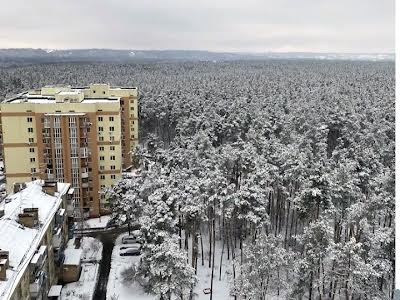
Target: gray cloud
column 223, row 25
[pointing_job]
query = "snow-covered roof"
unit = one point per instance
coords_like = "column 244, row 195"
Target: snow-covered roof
column 21, row 242
column 55, row 291
column 72, row 257
column 51, row 99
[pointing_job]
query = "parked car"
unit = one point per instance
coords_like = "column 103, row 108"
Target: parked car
column 130, row 252
column 131, row 246
column 130, row 239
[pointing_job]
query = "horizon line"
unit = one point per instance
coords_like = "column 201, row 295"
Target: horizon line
column 196, row 50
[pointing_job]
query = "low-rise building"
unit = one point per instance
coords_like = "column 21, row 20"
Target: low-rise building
column 33, row 233
column 72, row 265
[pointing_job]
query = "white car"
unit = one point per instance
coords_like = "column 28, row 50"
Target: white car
column 130, row 239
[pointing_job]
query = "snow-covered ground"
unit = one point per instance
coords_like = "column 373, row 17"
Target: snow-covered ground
column 91, row 257
column 85, row 287
column 97, row 222
column 116, row 288
column 126, row 291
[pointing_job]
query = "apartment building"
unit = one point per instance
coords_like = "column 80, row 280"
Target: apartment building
column 33, row 236
column 81, row 135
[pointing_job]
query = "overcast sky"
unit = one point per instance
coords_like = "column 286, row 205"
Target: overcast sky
column 217, row 25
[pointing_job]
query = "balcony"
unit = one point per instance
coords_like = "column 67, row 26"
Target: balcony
column 70, row 209
column 84, row 152
column 60, row 217
column 57, row 239
column 85, row 175
column 36, row 286
column 85, row 185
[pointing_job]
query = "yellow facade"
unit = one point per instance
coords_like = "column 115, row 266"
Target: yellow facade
column 112, row 115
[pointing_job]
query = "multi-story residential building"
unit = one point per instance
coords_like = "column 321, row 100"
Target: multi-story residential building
column 33, row 236
column 82, row 135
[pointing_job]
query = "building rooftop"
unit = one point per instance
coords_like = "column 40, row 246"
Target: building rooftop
column 20, row 241
column 93, row 93
column 72, row 257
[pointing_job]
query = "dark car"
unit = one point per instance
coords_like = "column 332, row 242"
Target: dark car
column 131, row 246
column 130, row 252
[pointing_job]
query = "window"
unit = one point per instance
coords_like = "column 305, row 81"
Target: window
column 101, row 157
column 112, row 176
column 33, row 178
column 133, row 122
column 30, row 140
column 30, row 129
column 111, row 128
column 132, row 136
column 29, row 119
column 104, row 92
column 31, row 150
column 101, row 168
column 112, row 139
column 101, row 138
column 94, row 92
column 102, row 186
column 112, row 148
column 112, row 157
column 100, row 119
column 132, row 101
column 101, row 148
column 102, row 177
column 100, row 128
column 111, row 119
column 132, row 107
column 33, row 170
column 33, row 159
column 112, row 167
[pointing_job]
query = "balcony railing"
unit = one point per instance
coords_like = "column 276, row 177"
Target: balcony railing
column 36, row 286
column 84, row 152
